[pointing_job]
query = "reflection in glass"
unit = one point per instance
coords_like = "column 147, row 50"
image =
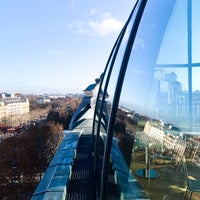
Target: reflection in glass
column 195, row 31
column 167, row 86
column 108, row 86
column 159, row 108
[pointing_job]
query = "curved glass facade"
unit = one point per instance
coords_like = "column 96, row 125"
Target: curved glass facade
column 154, row 97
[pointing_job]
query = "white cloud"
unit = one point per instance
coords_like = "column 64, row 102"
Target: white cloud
column 78, row 26
column 73, row 2
column 92, row 11
column 57, row 52
column 105, row 25
column 60, row 52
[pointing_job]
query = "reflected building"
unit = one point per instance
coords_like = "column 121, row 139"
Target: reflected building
column 196, row 107
column 169, row 96
column 168, row 93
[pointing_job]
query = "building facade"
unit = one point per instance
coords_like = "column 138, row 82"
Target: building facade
column 13, row 108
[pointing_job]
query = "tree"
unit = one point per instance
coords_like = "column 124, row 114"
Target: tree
column 26, row 156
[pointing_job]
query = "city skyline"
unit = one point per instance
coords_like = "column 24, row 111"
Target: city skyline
column 57, row 47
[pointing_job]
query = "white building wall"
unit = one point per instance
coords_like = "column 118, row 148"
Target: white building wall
column 13, row 107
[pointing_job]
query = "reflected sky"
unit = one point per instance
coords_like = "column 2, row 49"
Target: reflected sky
column 196, row 31
column 161, row 81
column 174, row 43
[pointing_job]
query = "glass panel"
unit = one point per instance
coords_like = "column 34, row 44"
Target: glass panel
column 157, row 123
column 195, row 31
column 108, row 87
column 116, row 68
column 195, row 79
column 169, row 96
column 196, row 98
column 177, row 53
column 100, row 122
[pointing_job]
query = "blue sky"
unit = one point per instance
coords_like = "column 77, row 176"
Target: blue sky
column 57, row 46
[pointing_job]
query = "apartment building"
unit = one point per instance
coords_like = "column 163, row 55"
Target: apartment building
column 12, row 107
